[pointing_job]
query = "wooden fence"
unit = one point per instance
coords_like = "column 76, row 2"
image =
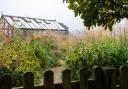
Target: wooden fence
column 103, row 78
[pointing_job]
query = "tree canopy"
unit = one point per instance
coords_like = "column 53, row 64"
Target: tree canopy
column 99, row 12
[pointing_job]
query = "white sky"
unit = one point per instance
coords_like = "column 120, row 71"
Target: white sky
column 50, row 9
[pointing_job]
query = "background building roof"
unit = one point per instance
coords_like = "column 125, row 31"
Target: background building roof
column 33, row 23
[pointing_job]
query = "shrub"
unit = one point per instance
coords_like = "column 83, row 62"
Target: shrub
column 17, row 57
column 47, row 51
column 103, row 53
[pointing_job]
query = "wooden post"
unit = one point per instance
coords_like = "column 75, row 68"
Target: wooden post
column 98, row 75
column 5, row 82
column 28, row 81
column 124, row 77
column 83, row 79
column 66, row 81
column 48, row 80
column 110, row 78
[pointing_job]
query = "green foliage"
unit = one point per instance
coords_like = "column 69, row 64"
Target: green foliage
column 16, row 58
column 88, row 54
column 47, row 51
column 99, row 12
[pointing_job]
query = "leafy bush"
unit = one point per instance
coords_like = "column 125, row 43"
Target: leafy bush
column 47, row 51
column 104, row 53
column 17, row 57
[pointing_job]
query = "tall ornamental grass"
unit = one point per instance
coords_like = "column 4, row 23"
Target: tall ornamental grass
column 97, row 48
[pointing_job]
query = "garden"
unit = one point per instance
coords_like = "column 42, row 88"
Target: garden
column 46, row 51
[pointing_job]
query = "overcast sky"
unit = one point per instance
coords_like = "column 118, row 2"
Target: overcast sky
column 50, row 9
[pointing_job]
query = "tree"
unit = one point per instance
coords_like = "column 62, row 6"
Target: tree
column 99, row 12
